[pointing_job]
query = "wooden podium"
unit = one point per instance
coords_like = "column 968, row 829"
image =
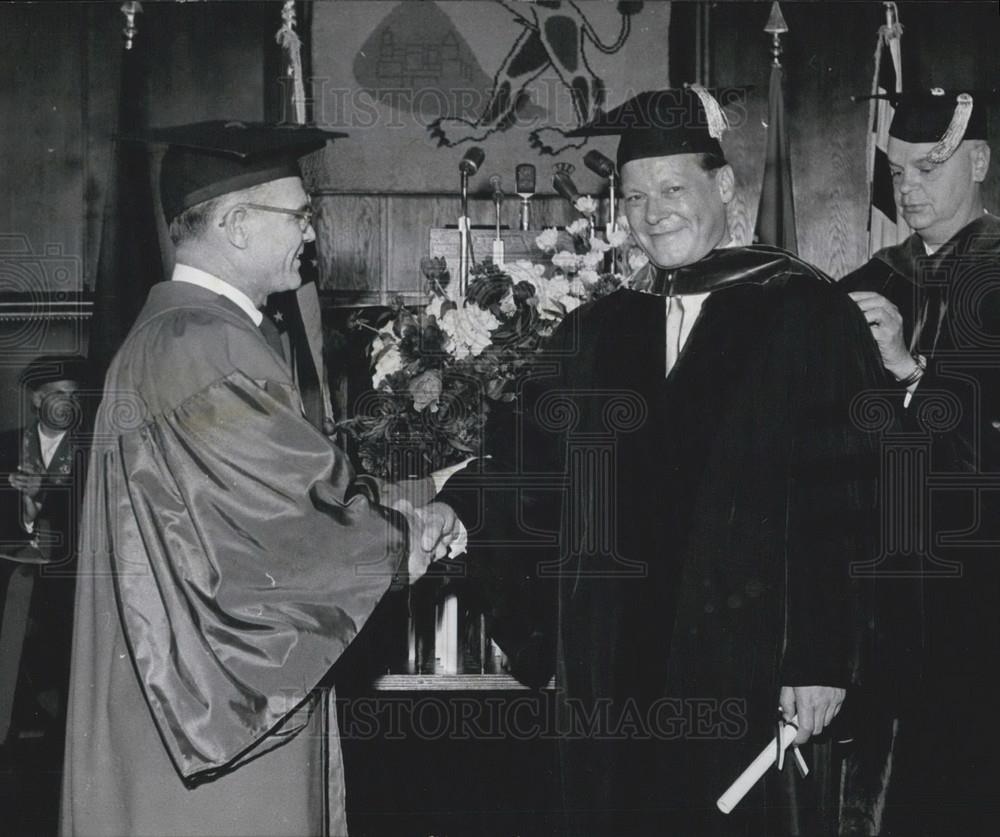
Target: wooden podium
column 519, row 245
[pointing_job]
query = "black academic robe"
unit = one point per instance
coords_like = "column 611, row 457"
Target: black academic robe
column 676, row 547
column 226, row 562
column 939, row 560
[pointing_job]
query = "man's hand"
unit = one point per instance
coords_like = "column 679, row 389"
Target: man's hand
column 816, row 707
column 887, row 328
column 29, row 485
column 432, row 529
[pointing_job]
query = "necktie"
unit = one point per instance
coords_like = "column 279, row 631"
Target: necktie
column 675, row 320
column 272, row 335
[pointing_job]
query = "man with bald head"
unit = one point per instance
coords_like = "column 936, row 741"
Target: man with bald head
column 229, row 555
column 933, row 307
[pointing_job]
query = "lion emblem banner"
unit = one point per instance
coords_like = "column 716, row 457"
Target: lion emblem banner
column 418, row 84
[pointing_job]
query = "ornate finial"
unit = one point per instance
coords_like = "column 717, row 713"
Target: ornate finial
column 288, row 38
column 130, row 10
column 776, row 27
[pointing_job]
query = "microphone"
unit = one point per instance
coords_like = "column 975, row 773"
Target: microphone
column 497, row 191
column 524, row 180
column 471, row 161
column 524, row 177
column 599, row 164
column 467, row 166
column 565, row 186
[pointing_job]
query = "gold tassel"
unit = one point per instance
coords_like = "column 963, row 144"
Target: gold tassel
column 946, row 146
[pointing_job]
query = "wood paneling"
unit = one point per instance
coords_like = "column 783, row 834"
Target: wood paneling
column 349, row 243
column 370, row 246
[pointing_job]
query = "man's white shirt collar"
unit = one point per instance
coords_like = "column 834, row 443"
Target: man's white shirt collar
column 48, row 445
column 194, row 276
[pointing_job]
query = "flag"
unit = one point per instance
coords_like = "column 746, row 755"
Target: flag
column 129, row 260
column 304, row 312
column 885, row 227
column 776, row 211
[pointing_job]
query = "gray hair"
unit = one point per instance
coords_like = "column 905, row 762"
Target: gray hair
column 196, row 220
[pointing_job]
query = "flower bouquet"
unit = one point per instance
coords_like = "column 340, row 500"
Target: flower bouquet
column 438, row 372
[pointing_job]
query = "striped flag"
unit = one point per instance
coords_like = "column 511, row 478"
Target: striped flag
column 885, row 228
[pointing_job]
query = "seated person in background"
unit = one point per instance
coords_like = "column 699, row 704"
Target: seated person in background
column 50, row 457
column 45, row 464
column 43, row 473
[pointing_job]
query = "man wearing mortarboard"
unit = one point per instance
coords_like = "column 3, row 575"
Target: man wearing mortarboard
column 700, row 576
column 933, row 305
column 228, row 554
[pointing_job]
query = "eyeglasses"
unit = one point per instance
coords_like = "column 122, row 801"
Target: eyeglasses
column 304, row 216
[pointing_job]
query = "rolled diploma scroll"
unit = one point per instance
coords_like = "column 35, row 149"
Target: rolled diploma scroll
column 758, row 767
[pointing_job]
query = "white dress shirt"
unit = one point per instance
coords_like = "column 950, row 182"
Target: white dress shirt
column 194, row 276
column 48, row 445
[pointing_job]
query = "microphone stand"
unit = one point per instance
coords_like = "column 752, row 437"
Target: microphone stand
column 464, row 236
column 616, row 256
column 498, row 249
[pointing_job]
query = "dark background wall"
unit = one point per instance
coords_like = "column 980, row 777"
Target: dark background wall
column 60, row 101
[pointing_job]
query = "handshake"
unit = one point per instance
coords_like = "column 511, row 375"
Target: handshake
column 434, row 527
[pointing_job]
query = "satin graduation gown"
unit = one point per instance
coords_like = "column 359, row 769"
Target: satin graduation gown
column 676, row 547
column 226, row 562
column 939, row 633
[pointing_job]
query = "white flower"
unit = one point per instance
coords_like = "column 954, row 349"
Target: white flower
column 585, row 204
column 618, row 237
column 637, row 259
column 599, row 245
column 592, row 259
column 388, row 360
column 577, row 288
column 469, row 329
column 425, row 390
column 433, row 308
column 588, row 277
column 578, row 227
column 546, row 240
column 565, row 260
column 507, row 305
column 554, row 297
column 524, row 271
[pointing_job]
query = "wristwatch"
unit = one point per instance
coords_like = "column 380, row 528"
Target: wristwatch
column 916, row 374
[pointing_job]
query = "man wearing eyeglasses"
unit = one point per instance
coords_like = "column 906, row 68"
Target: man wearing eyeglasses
column 229, row 555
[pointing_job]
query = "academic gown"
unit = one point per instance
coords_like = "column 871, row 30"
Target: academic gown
column 939, row 634
column 226, row 562
column 676, row 547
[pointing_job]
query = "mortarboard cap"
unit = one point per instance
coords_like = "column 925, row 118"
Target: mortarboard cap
column 49, row 368
column 943, row 117
column 209, row 159
column 661, row 123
